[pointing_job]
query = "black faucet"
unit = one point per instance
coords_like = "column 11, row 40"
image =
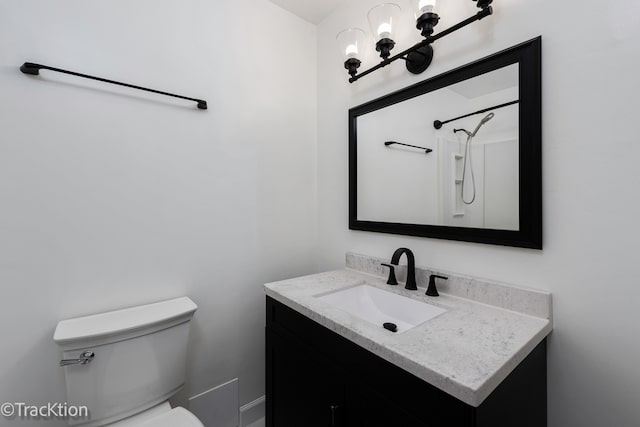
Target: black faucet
column 392, row 274
column 432, row 291
column 411, row 267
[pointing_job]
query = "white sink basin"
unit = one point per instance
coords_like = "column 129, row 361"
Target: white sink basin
column 379, row 307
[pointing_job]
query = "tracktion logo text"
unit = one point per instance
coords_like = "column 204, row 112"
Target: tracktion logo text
column 49, row 411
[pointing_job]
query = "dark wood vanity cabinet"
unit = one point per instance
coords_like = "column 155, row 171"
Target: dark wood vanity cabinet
column 316, row 378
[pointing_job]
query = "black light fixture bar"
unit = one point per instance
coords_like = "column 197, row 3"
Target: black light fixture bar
column 478, row 16
column 426, row 150
column 484, row 12
column 34, row 69
column 438, row 124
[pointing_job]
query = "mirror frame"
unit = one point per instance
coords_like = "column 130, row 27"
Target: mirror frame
column 529, row 235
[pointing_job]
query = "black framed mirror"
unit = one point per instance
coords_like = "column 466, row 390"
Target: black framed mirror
column 457, row 156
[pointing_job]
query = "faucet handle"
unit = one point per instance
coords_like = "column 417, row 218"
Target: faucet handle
column 432, row 291
column 392, row 274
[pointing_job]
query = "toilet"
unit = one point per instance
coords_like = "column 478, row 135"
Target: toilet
column 124, row 365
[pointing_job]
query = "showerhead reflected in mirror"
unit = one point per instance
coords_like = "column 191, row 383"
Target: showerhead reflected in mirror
column 480, row 121
column 468, row 160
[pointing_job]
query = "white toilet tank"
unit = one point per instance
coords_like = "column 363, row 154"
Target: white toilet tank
column 139, row 358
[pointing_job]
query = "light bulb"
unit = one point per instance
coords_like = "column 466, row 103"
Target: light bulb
column 420, row 7
column 350, row 41
column 351, row 51
column 384, row 30
column 383, row 19
column 425, row 6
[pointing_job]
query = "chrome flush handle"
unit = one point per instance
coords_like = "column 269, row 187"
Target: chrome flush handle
column 86, row 357
column 333, row 414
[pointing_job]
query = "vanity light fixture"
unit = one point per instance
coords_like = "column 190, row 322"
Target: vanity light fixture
column 384, row 19
column 351, row 42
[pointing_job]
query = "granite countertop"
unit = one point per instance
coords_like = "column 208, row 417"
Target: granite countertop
column 466, row 351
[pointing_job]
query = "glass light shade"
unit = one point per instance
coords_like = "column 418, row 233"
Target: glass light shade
column 384, row 18
column 351, row 42
column 420, row 7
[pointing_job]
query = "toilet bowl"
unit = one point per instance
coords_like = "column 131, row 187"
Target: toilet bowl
column 124, row 365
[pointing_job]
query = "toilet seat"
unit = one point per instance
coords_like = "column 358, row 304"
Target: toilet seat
column 161, row 416
column 178, row 417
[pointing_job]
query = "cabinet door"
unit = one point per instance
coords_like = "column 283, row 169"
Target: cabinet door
column 316, row 378
column 373, row 409
column 306, row 390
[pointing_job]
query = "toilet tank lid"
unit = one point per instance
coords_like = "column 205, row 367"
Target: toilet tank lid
column 125, row 321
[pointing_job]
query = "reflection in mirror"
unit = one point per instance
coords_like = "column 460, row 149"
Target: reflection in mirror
column 456, row 156
column 470, row 179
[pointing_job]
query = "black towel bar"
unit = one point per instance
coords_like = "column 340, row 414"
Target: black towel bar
column 34, row 69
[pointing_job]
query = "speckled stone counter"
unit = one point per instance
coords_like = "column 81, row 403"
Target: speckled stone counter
column 487, row 330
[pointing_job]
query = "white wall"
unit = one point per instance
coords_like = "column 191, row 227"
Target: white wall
column 110, row 197
column 382, row 170
column 591, row 209
column 501, row 192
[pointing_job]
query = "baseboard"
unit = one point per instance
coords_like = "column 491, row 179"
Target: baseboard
column 252, row 411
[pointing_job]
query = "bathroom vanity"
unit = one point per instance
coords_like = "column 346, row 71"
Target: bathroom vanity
column 480, row 362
